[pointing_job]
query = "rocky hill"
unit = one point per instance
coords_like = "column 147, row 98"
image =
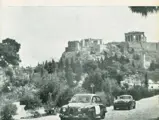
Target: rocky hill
column 137, row 50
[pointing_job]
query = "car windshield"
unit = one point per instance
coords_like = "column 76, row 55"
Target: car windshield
column 80, row 98
column 124, row 97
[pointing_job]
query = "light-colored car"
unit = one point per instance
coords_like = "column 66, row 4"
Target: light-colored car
column 83, row 106
column 125, row 101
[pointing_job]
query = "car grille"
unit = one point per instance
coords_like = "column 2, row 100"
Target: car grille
column 71, row 111
column 121, row 102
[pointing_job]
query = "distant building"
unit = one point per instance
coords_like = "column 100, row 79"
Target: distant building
column 153, row 85
column 135, row 36
column 132, row 80
column 85, row 44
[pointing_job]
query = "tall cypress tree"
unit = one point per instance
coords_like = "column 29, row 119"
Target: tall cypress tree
column 50, row 68
column 61, row 64
column 146, row 80
column 67, row 65
column 69, row 76
column 78, row 71
column 46, row 65
column 73, row 64
column 53, row 65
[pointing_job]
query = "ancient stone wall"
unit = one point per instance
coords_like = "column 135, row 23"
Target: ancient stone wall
column 84, row 44
column 147, row 46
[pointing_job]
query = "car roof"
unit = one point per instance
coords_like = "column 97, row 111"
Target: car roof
column 126, row 95
column 86, row 94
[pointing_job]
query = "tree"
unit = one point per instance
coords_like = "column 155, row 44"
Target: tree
column 8, row 111
column 61, row 64
column 119, row 78
column 53, row 65
column 46, row 65
column 69, row 76
column 95, row 78
column 146, row 80
column 50, row 68
column 90, row 66
column 126, row 86
column 78, row 70
column 133, row 64
column 144, row 10
column 73, row 64
column 67, row 64
column 152, row 66
column 9, row 49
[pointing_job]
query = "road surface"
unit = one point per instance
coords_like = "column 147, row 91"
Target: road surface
column 146, row 109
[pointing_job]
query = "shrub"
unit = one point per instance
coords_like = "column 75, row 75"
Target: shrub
column 36, row 114
column 95, row 78
column 31, row 101
column 64, row 96
column 136, row 57
column 50, row 109
column 8, row 111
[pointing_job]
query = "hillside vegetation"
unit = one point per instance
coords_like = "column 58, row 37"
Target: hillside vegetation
column 52, row 84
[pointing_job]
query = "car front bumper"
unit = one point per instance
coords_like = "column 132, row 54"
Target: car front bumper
column 79, row 116
column 121, row 105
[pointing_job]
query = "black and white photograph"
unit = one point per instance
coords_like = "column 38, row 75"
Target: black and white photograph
column 79, row 63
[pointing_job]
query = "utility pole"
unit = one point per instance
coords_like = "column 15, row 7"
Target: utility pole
column 92, row 86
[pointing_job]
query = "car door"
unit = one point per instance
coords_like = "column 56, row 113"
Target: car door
column 96, row 105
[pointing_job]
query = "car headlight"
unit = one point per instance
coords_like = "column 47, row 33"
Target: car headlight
column 63, row 109
column 79, row 110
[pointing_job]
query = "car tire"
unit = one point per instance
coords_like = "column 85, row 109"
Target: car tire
column 130, row 107
column 92, row 116
column 103, row 116
column 114, row 108
column 134, row 107
column 63, row 119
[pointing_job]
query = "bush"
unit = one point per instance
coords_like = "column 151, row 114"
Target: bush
column 95, row 78
column 31, row 101
column 139, row 92
column 8, row 111
column 64, row 96
column 36, row 114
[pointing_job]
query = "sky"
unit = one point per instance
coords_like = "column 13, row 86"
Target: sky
column 43, row 32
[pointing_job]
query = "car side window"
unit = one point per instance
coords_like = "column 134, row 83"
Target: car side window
column 98, row 99
column 94, row 100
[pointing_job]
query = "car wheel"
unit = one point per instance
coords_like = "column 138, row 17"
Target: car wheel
column 63, row 119
column 103, row 116
column 134, row 106
column 130, row 107
column 92, row 116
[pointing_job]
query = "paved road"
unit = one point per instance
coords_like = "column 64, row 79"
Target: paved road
column 145, row 110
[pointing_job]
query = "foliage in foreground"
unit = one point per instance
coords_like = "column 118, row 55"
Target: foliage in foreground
column 8, row 111
column 144, row 10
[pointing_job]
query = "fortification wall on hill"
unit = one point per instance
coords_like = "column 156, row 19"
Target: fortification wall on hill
column 147, row 46
column 84, row 44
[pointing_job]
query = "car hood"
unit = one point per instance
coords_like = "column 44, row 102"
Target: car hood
column 78, row 105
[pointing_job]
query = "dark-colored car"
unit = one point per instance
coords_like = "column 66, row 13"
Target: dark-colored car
column 83, row 106
column 125, row 101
